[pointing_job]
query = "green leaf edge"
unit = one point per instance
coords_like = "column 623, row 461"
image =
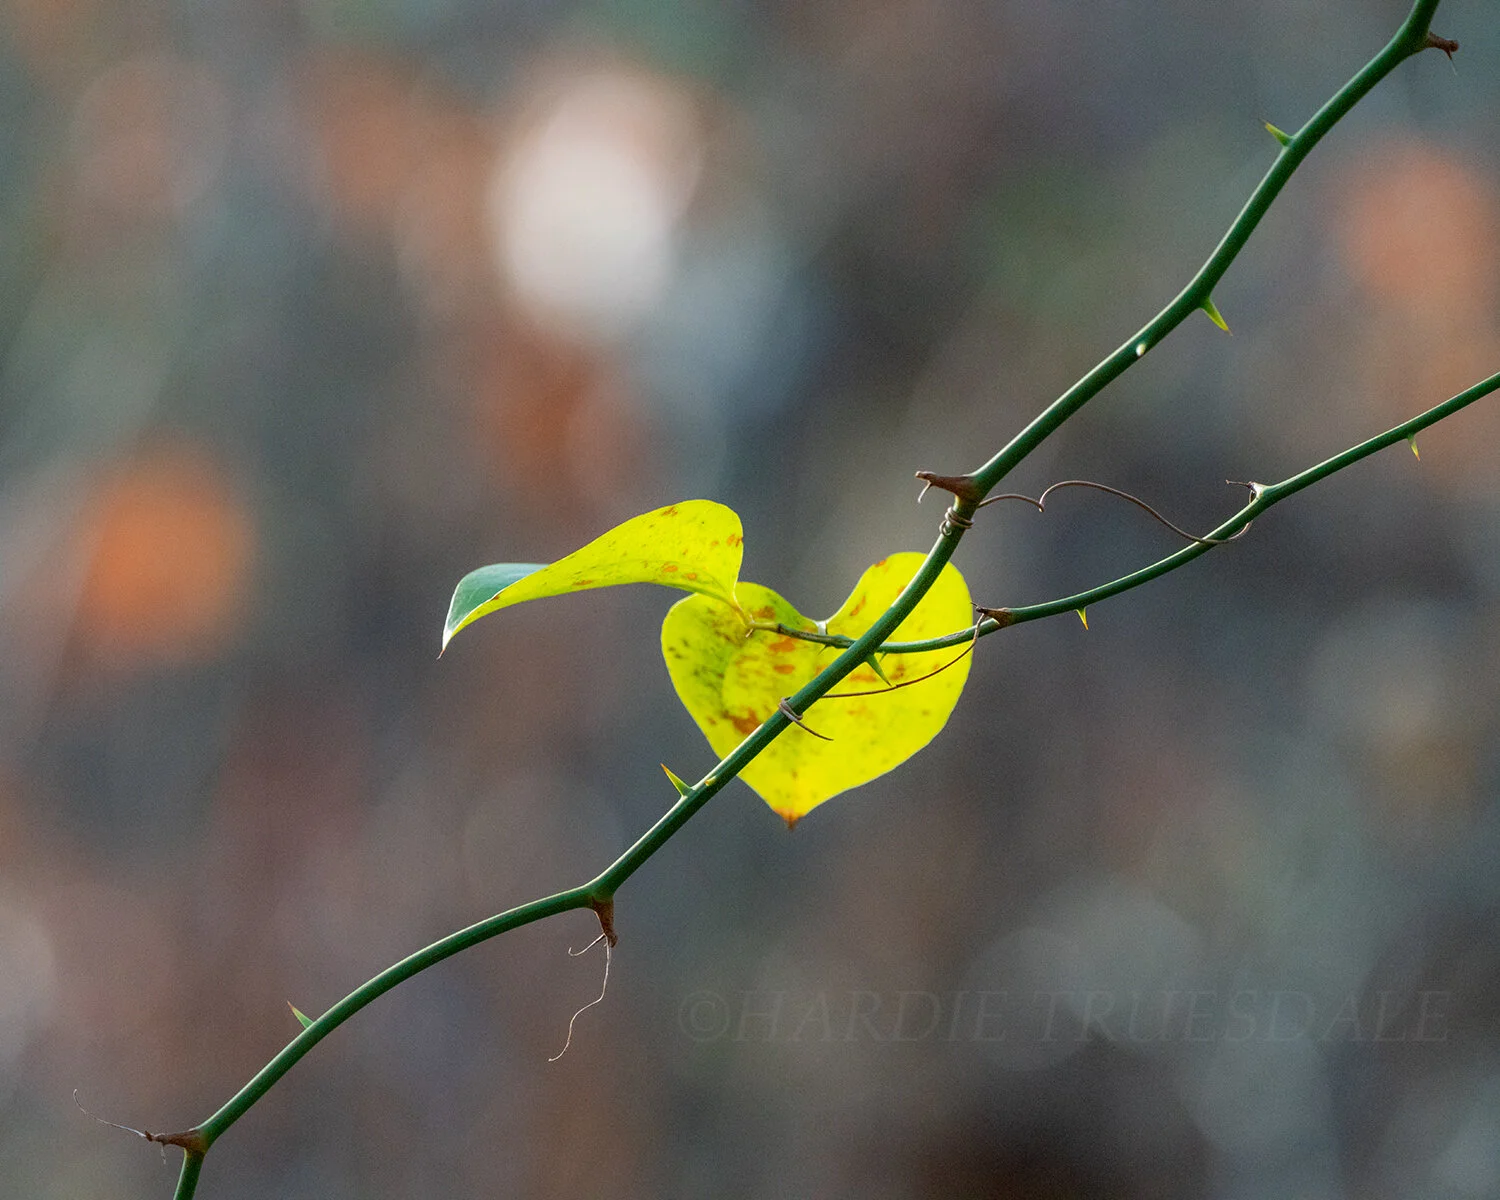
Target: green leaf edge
column 478, row 590
column 494, row 580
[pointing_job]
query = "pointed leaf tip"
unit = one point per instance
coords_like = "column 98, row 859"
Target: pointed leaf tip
column 477, row 590
column 1282, row 137
column 1083, row 615
column 1412, row 442
column 299, row 1014
column 1213, row 313
column 682, row 788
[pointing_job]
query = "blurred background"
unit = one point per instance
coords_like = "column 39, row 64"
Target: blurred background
column 307, row 308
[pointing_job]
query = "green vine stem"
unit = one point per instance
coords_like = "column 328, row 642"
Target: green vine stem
column 1413, row 37
column 969, row 490
column 1263, row 497
column 187, row 1178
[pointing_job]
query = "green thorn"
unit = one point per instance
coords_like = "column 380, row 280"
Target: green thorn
column 1083, row 615
column 1412, row 442
column 879, row 674
column 1284, row 138
column 1213, row 313
column 299, row 1014
column 682, row 788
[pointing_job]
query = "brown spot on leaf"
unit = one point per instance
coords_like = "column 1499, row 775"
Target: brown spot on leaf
column 782, row 646
column 784, row 668
column 746, row 724
column 668, row 568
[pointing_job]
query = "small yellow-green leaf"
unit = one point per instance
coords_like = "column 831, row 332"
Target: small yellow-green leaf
column 1213, row 313
column 695, row 546
column 682, row 788
column 1284, row 138
column 1083, row 615
column 731, row 683
column 299, row 1014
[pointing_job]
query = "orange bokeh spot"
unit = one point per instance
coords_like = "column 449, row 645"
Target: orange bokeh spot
column 1421, row 231
column 168, row 547
column 367, row 115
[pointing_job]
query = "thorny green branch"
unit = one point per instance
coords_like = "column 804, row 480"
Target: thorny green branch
column 1413, row 37
column 1263, row 496
column 969, row 490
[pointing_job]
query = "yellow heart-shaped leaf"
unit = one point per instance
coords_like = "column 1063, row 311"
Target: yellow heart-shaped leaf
column 695, row 546
column 731, row 676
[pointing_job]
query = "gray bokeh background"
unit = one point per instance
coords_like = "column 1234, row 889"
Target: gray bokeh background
column 309, row 308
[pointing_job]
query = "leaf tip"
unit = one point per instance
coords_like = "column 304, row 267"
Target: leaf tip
column 1412, row 442
column 1213, row 314
column 1083, row 615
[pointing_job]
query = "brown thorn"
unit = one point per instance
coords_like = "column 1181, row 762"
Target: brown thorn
column 1446, row 45
column 962, row 486
column 191, row 1140
column 791, row 714
column 1002, row 617
column 605, row 911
